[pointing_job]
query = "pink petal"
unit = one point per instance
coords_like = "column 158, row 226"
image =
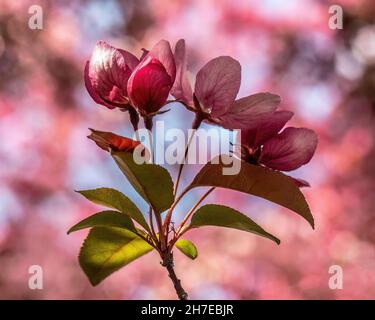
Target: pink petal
column 149, row 86
column 181, row 89
column 217, row 84
column 91, row 90
column 107, row 74
column 290, row 149
column 266, row 129
column 162, row 51
column 130, row 60
column 249, row 111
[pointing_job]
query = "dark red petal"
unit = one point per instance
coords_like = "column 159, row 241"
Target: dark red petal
column 149, row 86
column 290, row 149
column 266, row 129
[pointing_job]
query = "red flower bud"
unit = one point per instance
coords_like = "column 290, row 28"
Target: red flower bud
column 150, row 83
column 149, row 86
column 109, row 141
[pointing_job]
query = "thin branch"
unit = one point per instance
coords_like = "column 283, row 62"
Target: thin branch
column 169, row 213
column 196, row 123
column 168, row 264
column 195, row 207
column 180, row 230
column 153, row 233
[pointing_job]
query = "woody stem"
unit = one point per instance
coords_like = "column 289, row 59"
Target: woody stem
column 168, row 264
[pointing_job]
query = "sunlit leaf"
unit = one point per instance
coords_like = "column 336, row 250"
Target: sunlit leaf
column 187, row 248
column 106, row 250
column 258, row 181
column 105, row 219
column 222, row 216
column 151, row 181
column 116, row 200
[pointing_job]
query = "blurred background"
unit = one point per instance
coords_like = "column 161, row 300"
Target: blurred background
column 285, row 46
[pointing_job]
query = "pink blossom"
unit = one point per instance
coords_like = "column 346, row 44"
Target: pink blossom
column 284, row 151
column 107, row 74
column 216, row 88
column 290, row 149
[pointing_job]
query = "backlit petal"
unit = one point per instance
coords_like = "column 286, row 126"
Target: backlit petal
column 162, row 51
column 290, row 149
column 249, row 111
column 217, row 85
column 181, row 89
column 266, row 129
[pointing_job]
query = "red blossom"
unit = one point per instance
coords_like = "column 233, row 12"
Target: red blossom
column 149, row 86
column 150, row 83
column 285, row 151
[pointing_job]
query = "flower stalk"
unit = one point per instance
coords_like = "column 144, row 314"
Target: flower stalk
column 168, row 264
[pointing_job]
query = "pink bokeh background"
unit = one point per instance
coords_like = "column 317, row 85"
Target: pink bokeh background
column 325, row 76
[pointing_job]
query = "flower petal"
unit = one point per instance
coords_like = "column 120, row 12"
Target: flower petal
column 290, row 149
column 217, row 84
column 247, row 112
column 107, row 74
column 266, row 129
column 109, row 140
column 181, row 89
column 149, row 86
column 162, row 51
column 94, row 95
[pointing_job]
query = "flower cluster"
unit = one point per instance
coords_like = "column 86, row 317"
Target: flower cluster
column 116, row 78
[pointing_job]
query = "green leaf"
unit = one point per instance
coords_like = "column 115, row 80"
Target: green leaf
column 114, row 199
column 258, row 181
column 151, row 181
column 106, row 250
column 187, row 248
column 222, row 216
column 105, row 219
